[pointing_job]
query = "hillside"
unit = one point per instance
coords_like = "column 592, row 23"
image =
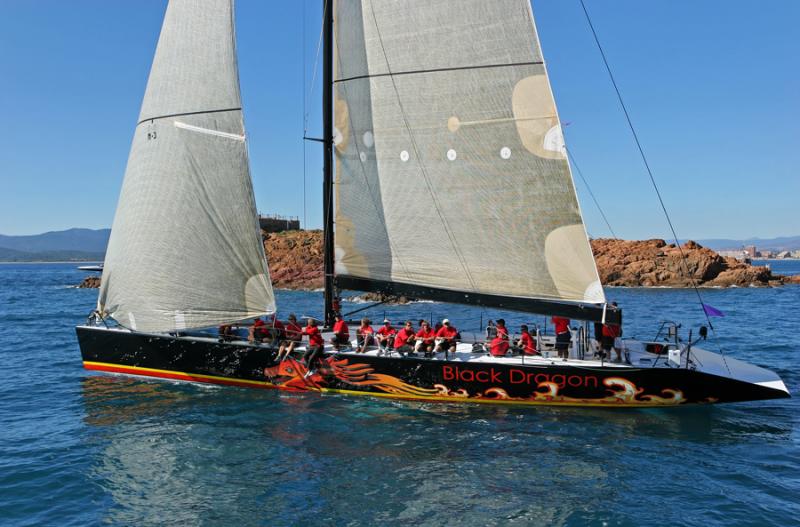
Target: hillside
column 71, row 244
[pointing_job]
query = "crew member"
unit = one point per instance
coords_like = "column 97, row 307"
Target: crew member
column 341, row 333
column 563, row 336
column 498, row 346
column 446, row 337
column 404, row 339
column 258, row 331
column 424, row 338
column 365, row 336
column 611, row 332
column 525, row 344
column 293, row 335
column 316, row 345
column 386, row 335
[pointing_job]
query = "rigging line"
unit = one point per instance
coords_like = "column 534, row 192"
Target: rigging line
column 436, row 204
column 646, row 164
column 316, row 58
column 305, row 114
column 585, row 182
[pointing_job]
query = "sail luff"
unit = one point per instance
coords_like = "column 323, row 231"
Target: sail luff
column 185, row 249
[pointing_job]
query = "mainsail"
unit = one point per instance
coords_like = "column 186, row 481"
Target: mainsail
column 185, row 249
column 451, row 168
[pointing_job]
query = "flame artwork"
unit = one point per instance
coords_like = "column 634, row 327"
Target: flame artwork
column 292, row 375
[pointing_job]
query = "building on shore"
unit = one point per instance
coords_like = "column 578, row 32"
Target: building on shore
column 277, row 223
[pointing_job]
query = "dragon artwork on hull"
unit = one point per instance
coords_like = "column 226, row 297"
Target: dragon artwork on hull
column 337, row 374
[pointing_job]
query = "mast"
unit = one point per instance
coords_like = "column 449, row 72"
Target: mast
column 327, row 165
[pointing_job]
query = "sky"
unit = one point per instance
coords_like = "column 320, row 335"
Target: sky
column 712, row 86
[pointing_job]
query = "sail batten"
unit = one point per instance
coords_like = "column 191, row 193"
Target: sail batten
column 449, row 176
column 185, row 248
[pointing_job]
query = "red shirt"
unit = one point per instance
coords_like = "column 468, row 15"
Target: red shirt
column 526, row 341
column 259, row 328
column 502, row 331
column 387, row 331
column 340, row 328
column 402, row 337
column 426, row 336
column 365, row 330
column 447, row 332
column 562, row 324
column 314, row 336
column 278, row 325
column 498, row 347
column 611, row 330
column 293, row 331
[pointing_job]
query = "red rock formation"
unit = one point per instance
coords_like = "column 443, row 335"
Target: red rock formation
column 295, row 262
column 655, row 263
column 295, row 259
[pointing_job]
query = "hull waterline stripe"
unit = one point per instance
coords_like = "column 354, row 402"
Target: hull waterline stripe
column 246, row 383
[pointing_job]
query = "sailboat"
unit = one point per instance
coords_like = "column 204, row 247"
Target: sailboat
column 445, row 177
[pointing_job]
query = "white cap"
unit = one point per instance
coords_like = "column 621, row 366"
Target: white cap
column 445, row 321
column 386, row 321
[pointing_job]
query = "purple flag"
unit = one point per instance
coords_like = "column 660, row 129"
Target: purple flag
column 712, row 311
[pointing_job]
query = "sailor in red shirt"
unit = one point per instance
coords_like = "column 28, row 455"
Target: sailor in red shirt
column 341, row 333
column 424, row 338
column 563, row 336
column 365, row 336
column 404, row 340
column 316, row 345
column 293, row 334
column 446, row 338
column 611, row 332
column 386, row 335
column 258, row 331
column 498, row 346
column 526, row 345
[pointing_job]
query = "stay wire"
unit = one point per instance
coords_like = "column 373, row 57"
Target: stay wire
column 646, row 164
column 585, row 182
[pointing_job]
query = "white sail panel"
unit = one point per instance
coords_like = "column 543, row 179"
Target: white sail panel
column 185, row 248
column 451, row 169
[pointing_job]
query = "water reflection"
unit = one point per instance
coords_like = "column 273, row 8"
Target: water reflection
column 222, row 456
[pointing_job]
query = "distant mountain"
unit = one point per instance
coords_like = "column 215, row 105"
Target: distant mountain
column 783, row 243
column 69, row 240
column 71, row 244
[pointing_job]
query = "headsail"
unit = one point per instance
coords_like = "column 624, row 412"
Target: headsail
column 451, row 168
column 185, row 249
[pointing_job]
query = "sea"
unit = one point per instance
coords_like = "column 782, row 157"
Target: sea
column 81, row 448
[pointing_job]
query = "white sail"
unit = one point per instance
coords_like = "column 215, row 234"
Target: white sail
column 185, row 248
column 451, row 169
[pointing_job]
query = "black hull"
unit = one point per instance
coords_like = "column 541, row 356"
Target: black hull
column 238, row 364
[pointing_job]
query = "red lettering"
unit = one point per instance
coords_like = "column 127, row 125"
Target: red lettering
column 587, row 379
column 448, row 373
column 559, row 380
column 467, row 376
column 539, row 378
column 482, row 376
column 495, row 376
column 574, row 381
column 515, row 376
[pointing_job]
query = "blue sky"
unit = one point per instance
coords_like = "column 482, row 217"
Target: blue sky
column 713, row 88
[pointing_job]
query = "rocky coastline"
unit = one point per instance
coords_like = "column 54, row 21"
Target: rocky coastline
column 295, row 261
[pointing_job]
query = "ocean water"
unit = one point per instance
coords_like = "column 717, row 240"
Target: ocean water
column 78, row 448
